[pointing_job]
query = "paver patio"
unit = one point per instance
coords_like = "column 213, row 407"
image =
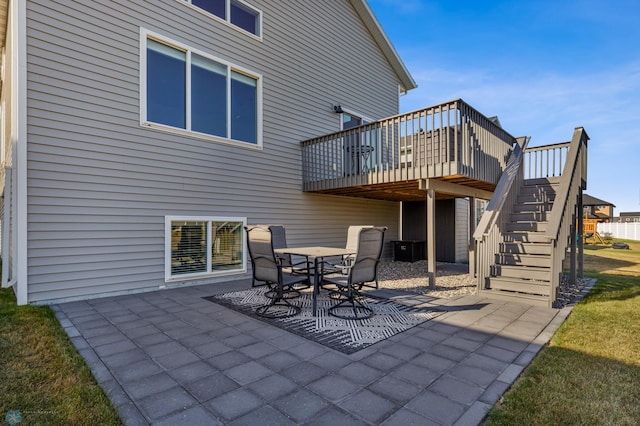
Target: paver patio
column 170, row 357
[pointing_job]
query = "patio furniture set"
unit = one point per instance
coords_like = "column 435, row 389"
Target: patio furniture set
column 271, row 261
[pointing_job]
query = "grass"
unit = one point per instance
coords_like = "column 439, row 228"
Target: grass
column 42, row 376
column 589, row 374
column 606, row 260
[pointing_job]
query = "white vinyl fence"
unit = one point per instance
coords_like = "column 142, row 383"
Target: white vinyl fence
column 627, row 231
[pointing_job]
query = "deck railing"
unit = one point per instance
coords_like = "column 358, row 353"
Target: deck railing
column 447, row 139
column 564, row 212
column 545, row 161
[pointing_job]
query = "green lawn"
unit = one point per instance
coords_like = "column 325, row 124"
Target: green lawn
column 589, row 374
column 43, row 379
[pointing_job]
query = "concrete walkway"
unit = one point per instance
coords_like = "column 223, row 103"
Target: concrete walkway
column 169, row 357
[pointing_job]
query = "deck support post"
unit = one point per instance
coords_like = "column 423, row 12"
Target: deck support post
column 572, row 254
column 431, row 237
column 472, row 241
column 580, row 236
column 430, row 186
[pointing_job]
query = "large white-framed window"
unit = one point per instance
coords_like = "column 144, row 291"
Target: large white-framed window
column 189, row 91
column 203, row 246
column 235, row 12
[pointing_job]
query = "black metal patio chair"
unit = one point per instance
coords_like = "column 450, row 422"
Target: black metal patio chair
column 363, row 270
column 345, row 262
column 267, row 269
column 279, row 239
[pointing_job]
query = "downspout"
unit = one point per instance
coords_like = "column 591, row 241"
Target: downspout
column 7, row 236
column 18, row 17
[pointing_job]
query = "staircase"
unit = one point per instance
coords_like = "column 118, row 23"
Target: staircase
column 522, row 265
column 529, row 226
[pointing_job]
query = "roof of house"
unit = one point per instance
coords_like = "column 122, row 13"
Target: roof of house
column 368, row 17
column 588, row 200
column 495, row 120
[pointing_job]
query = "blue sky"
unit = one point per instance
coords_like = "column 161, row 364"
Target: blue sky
column 543, row 67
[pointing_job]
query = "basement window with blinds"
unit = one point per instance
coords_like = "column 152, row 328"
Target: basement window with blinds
column 197, row 247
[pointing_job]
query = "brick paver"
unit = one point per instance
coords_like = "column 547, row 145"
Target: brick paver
column 169, row 357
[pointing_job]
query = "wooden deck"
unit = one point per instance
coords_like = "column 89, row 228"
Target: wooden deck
column 412, row 190
column 450, row 147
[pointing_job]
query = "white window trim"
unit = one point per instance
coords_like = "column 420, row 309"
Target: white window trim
column 199, row 275
column 355, row 114
column 146, row 35
column 225, row 20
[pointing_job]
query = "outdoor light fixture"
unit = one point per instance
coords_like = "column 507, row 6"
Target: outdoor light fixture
column 337, row 109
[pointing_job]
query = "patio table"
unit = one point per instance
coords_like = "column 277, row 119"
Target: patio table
column 317, row 253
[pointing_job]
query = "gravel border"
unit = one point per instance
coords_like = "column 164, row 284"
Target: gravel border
column 452, row 280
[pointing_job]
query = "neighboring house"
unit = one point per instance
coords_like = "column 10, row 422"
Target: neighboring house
column 595, row 208
column 629, row 217
column 139, row 137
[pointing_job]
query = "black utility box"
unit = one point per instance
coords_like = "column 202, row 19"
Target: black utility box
column 409, row 251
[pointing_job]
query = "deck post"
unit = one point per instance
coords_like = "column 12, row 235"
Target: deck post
column 431, row 237
column 472, row 241
column 574, row 237
column 580, row 236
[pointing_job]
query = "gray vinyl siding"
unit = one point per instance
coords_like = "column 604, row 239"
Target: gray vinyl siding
column 100, row 185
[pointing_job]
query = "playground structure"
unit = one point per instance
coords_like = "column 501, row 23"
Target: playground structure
column 590, row 232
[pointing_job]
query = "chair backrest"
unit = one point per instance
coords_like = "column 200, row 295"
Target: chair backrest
column 263, row 259
column 365, row 265
column 352, row 236
column 279, row 240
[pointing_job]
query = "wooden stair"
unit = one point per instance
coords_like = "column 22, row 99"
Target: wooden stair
column 522, row 268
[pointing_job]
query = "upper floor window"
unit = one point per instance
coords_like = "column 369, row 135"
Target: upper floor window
column 234, row 11
column 192, row 91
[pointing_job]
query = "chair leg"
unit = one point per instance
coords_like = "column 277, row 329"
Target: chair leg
column 287, row 293
column 350, row 307
column 278, row 306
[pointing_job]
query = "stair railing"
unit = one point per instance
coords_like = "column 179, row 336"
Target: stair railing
column 488, row 234
column 562, row 215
